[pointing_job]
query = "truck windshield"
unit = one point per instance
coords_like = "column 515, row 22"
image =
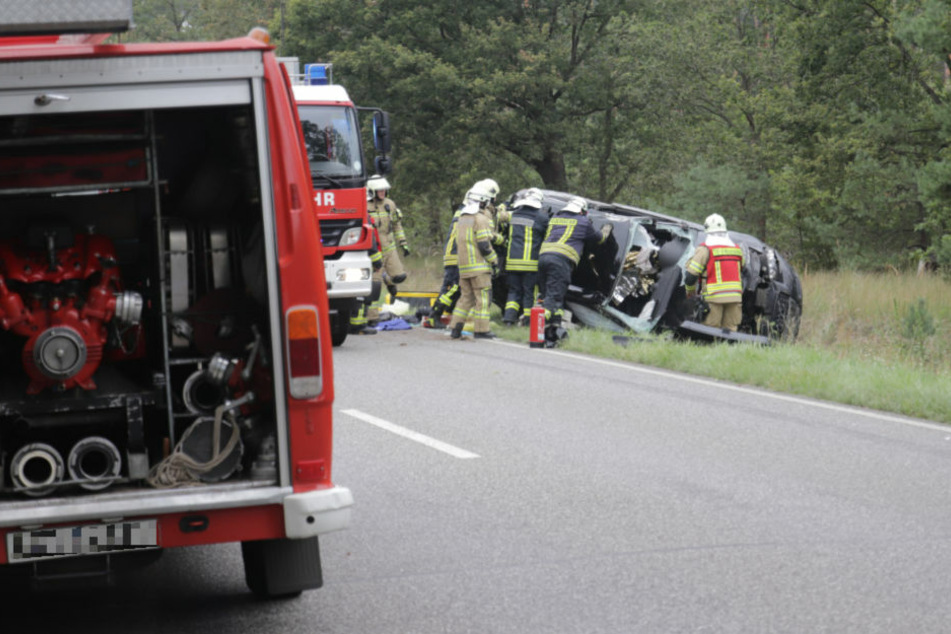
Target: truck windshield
column 333, row 142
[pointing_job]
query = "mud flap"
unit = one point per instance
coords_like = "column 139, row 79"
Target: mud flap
column 282, row 567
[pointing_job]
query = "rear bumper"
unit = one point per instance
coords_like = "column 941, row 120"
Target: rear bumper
column 191, row 518
column 317, row 512
column 350, row 275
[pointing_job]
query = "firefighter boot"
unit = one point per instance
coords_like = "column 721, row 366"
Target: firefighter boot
column 554, row 332
column 457, row 331
column 435, row 319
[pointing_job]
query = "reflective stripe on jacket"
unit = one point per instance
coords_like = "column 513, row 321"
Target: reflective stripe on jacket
column 388, row 221
column 450, row 256
column 568, row 233
column 525, row 240
column 723, row 268
column 474, row 238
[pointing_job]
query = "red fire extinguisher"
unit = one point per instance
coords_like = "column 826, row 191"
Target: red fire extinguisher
column 536, row 336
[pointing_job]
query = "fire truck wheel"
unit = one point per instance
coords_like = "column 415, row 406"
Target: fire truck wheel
column 282, row 568
column 339, row 328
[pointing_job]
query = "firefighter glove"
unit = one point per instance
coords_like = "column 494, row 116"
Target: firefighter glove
column 405, row 249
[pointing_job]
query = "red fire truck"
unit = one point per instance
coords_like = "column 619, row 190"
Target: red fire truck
column 167, row 377
column 339, row 175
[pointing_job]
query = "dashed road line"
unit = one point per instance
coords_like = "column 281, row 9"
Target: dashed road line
column 422, row 439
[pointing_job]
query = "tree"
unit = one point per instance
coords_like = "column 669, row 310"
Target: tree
column 172, row 20
column 477, row 87
column 822, row 127
column 875, row 98
column 162, row 20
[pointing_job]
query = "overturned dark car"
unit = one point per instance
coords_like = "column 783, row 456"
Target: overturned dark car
column 634, row 280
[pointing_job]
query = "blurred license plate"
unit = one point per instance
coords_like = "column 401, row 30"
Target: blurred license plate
column 90, row 539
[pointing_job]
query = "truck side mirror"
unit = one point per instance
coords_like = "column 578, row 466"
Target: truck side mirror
column 381, row 132
column 382, row 165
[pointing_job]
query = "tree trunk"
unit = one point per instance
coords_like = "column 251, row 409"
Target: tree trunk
column 551, row 167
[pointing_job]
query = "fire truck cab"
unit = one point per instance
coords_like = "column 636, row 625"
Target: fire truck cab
column 339, row 173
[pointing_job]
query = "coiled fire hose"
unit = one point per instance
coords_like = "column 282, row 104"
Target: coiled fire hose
column 180, row 469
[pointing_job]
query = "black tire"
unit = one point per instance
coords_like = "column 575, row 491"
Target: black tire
column 339, row 329
column 282, row 568
column 782, row 323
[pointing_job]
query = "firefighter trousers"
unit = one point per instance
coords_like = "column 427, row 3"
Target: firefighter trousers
column 727, row 316
column 448, row 292
column 521, row 294
column 475, row 299
column 554, row 274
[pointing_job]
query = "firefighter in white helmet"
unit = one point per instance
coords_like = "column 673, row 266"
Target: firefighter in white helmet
column 388, row 220
column 477, row 263
column 718, row 263
column 526, row 231
column 569, row 231
column 481, row 193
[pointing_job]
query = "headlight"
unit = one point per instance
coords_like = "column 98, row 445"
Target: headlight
column 351, row 236
column 353, row 275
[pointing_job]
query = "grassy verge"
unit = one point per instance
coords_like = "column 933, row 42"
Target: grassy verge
column 794, row 369
column 877, row 341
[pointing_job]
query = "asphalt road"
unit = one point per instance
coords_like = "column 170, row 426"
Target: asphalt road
column 503, row 489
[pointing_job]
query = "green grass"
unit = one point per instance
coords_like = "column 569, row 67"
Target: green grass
column 881, row 341
column 792, row 368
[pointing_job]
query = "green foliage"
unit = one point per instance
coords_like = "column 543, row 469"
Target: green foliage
column 821, row 127
column 817, row 372
column 917, row 326
column 180, row 20
column 852, row 347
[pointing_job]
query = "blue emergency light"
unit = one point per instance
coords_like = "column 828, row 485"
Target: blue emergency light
column 317, row 74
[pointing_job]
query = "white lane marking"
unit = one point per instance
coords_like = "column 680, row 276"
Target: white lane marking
column 744, row 390
column 423, row 439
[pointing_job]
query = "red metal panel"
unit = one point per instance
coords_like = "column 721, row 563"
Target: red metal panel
column 227, row 525
column 222, row 526
column 65, row 49
column 310, row 422
column 103, row 167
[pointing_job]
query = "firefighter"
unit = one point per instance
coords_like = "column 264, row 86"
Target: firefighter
column 525, row 235
column 478, row 263
column 569, row 231
column 449, row 291
column 718, row 263
column 387, row 218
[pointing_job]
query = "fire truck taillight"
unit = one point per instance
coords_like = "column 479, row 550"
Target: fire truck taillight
column 303, row 352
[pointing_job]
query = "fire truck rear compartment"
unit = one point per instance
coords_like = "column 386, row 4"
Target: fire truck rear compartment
column 133, row 299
